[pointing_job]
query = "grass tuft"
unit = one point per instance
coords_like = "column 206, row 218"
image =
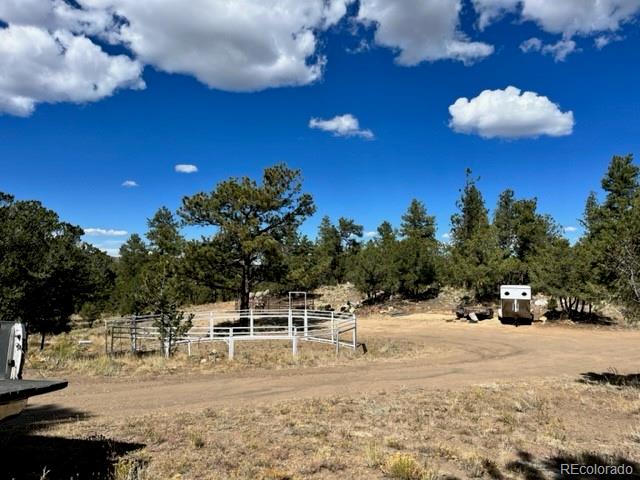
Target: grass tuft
column 402, row 466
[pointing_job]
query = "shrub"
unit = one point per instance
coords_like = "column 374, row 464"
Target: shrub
column 403, row 467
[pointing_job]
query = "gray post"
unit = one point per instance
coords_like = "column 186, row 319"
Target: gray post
column 333, row 328
column 231, row 345
column 133, row 332
column 306, row 321
column 355, row 333
column 294, row 344
column 251, row 322
column 290, row 322
column 211, row 325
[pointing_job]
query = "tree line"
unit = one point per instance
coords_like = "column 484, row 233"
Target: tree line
column 48, row 273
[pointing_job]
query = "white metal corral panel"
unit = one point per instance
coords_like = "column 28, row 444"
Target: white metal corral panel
column 515, row 292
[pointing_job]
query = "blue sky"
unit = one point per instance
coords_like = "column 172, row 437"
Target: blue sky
column 73, row 148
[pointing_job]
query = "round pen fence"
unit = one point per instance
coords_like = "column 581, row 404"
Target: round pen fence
column 142, row 333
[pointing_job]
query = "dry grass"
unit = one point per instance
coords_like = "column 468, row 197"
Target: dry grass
column 65, row 355
column 492, row 431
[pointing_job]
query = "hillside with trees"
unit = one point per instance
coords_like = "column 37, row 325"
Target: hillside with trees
column 47, row 272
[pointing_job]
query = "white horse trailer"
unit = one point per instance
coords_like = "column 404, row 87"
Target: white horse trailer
column 515, row 304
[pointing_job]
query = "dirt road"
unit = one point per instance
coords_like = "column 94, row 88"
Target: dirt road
column 466, row 354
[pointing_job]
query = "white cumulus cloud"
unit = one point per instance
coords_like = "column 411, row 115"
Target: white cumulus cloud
column 104, row 232
column 185, row 168
column 130, row 184
column 566, row 17
column 421, row 30
column 41, row 66
column 509, row 113
column 342, row 126
column 56, row 15
column 240, row 45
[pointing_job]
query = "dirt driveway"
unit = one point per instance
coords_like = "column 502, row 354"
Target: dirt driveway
column 465, row 354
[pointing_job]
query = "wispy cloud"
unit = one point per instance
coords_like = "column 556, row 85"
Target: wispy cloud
column 130, row 184
column 370, row 234
column 570, row 229
column 104, row 232
column 185, row 168
column 342, row 126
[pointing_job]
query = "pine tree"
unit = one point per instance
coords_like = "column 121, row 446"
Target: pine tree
column 472, row 216
column 164, row 233
column 505, row 222
column 252, row 220
column 620, row 183
column 134, row 255
column 416, row 223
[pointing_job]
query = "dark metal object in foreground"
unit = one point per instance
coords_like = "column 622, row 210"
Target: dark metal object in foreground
column 11, row 390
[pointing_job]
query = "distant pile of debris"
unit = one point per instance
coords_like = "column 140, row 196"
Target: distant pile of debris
column 473, row 313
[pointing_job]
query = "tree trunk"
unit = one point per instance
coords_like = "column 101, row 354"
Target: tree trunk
column 42, row 340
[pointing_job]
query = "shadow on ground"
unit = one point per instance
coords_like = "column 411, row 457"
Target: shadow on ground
column 559, row 467
column 26, row 454
column 630, row 380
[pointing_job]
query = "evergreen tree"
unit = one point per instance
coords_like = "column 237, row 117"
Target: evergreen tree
column 416, row 253
column 164, row 233
column 504, row 220
column 474, row 254
column 134, row 255
column 252, row 220
column 621, row 184
column 416, row 223
column 472, row 215
column 43, row 276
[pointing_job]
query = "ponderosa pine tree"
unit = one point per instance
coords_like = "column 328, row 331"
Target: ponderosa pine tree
column 252, row 221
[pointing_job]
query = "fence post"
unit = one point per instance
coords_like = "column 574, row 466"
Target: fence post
column 211, row 325
column 294, row 343
column 306, row 321
column 333, row 328
column 231, row 344
column 251, row 322
column 106, row 343
column 355, row 332
column 290, row 322
column 133, row 335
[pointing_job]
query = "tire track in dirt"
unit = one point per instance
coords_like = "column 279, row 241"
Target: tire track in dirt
column 467, row 356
